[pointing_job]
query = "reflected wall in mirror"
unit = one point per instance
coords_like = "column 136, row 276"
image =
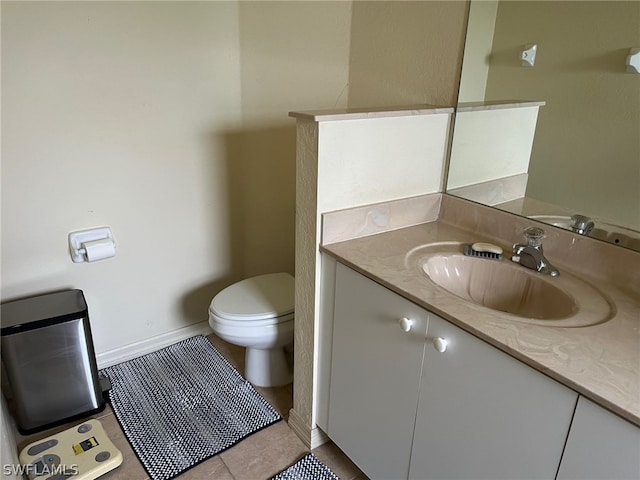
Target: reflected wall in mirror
column 570, row 143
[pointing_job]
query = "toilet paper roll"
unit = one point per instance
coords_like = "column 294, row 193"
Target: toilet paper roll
column 99, row 249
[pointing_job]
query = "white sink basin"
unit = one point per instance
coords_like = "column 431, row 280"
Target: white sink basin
column 522, row 294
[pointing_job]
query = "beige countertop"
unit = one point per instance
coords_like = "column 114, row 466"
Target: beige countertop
column 364, row 113
column 601, row 362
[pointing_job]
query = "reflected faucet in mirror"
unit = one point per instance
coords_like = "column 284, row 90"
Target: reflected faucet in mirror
column 581, row 224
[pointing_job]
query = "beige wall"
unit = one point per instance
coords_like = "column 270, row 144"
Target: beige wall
column 586, row 152
column 294, row 56
column 112, row 114
column 405, row 53
column 168, row 122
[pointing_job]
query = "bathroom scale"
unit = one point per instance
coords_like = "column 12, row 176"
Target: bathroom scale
column 83, row 452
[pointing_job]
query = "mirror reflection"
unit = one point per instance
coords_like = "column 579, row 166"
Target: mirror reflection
column 548, row 118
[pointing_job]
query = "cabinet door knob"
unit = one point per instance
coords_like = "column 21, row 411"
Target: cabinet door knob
column 440, row 344
column 406, row 324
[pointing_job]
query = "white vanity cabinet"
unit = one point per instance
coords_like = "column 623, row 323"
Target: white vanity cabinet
column 400, row 408
column 600, row 446
column 484, row 414
column 375, row 375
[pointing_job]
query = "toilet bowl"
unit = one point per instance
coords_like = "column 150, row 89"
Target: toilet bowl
column 257, row 313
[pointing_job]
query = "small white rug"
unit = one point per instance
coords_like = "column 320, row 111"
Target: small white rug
column 184, row 404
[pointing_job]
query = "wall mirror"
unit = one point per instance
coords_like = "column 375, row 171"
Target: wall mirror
column 548, row 118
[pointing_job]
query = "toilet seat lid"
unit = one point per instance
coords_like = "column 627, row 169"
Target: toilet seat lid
column 256, row 298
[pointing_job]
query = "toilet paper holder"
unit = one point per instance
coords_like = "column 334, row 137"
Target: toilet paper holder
column 83, row 242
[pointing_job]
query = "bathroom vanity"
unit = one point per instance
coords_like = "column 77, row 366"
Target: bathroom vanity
column 425, row 385
column 506, row 398
column 402, row 409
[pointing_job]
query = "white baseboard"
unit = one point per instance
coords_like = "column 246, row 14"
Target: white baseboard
column 133, row 350
column 311, row 437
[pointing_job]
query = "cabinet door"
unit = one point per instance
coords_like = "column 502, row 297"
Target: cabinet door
column 601, row 445
column 485, row 415
column 375, row 373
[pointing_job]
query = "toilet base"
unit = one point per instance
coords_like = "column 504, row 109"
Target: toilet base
column 267, row 368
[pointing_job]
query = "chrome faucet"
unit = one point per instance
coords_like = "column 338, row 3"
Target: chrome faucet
column 530, row 255
column 581, row 224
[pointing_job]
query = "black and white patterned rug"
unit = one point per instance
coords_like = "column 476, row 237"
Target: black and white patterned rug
column 308, row 467
column 184, row 404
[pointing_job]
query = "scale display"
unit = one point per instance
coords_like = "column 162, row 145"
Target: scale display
column 83, row 452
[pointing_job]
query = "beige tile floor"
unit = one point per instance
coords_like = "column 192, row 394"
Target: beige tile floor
column 257, row 457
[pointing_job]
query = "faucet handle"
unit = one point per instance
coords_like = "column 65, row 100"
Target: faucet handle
column 534, row 236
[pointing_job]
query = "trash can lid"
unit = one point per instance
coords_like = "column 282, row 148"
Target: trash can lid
column 42, row 310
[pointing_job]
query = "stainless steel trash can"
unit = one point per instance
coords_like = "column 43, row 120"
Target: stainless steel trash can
column 48, row 360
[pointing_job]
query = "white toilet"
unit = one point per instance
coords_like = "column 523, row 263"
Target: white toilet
column 257, row 313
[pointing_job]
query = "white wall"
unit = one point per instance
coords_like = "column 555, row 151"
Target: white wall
column 477, row 50
column 490, row 144
column 163, row 120
column 361, row 162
